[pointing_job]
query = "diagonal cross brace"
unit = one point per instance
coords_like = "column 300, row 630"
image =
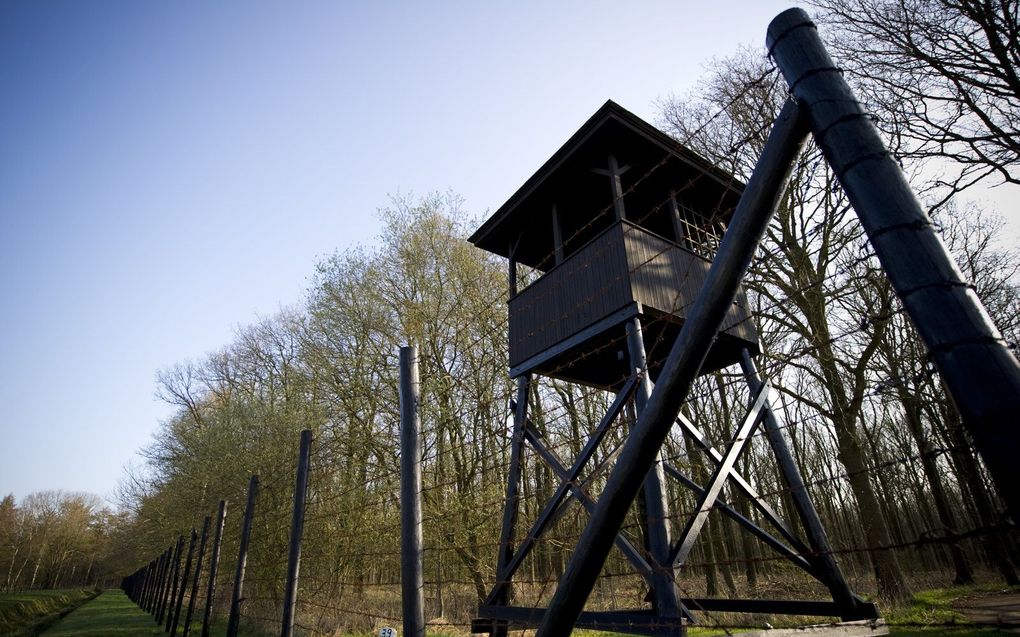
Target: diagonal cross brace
column 745, row 487
column 586, row 501
column 763, row 535
column 567, row 485
column 644, row 568
column 722, row 472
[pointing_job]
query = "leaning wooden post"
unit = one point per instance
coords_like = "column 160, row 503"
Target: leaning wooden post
column 297, row 525
column 214, row 564
column 981, row 373
column 195, row 578
column 242, row 558
column 411, row 549
column 184, row 583
column 640, row 449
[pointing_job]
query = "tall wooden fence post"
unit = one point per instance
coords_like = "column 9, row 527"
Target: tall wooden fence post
column 214, row 564
column 297, row 525
column 195, row 578
column 973, row 359
column 411, row 549
column 242, row 558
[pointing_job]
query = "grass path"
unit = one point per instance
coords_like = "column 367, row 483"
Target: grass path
column 112, row 613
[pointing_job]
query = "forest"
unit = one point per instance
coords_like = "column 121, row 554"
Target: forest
column 905, row 498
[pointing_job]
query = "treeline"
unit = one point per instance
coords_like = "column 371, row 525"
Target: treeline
column 55, row 539
column 906, row 500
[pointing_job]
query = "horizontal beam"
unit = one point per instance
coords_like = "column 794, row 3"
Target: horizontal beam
column 772, row 606
column 571, row 342
column 631, row 622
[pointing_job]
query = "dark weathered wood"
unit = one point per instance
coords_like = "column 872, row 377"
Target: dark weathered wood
column 685, row 542
column 682, row 366
column 184, row 583
column 667, row 278
column 591, row 290
column 142, row 598
column 557, row 231
column 411, row 542
column 766, row 606
column 579, row 338
column 714, row 456
column 631, row 622
column 151, row 586
column 674, row 215
column 161, row 582
column 636, row 557
column 586, row 287
column 656, row 507
column 297, row 527
column 512, row 276
column 511, row 504
column 196, row 577
column 821, row 556
column 170, row 592
column 747, row 524
column 568, row 480
column 980, row 372
column 233, row 621
column 214, row 565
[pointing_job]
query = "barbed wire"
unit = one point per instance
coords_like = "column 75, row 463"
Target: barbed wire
column 350, row 537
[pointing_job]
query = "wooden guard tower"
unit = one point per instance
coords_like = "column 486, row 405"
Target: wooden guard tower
column 619, row 228
column 622, row 223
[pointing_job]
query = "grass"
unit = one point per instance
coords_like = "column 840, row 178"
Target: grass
column 113, row 614
column 929, row 613
column 935, row 607
column 27, row 612
column 953, row 631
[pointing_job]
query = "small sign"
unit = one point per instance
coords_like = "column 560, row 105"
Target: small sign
column 386, row 631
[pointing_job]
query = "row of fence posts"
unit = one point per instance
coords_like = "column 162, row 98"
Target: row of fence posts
column 159, row 586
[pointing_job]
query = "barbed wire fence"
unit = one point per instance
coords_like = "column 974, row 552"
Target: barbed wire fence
column 348, row 579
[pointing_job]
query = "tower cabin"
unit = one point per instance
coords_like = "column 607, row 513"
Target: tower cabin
column 621, row 222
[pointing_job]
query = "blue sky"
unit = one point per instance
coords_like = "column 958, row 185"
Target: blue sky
column 170, row 171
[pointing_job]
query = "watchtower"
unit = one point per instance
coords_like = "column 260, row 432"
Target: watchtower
column 615, row 234
column 620, row 224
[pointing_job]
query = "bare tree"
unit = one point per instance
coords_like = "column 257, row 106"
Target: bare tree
column 941, row 74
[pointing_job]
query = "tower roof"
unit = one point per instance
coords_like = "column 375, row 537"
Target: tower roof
column 568, row 179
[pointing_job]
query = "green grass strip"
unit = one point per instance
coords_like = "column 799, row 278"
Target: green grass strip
column 26, row 613
column 112, row 613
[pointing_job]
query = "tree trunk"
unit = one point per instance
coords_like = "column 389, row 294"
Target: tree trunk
column 963, row 572
column 993, row 541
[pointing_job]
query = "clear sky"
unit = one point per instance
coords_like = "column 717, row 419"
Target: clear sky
column 170, row 171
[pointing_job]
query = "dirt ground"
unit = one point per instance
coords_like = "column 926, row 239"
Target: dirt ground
column 995, row 609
